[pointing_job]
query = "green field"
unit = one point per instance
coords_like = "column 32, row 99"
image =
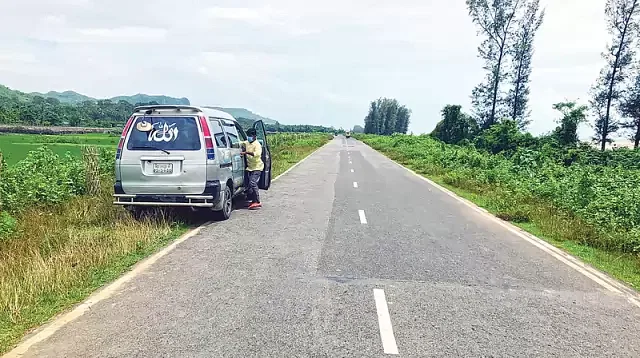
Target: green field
column 15, row 147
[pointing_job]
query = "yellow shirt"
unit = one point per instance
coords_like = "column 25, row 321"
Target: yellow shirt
column 254, row 162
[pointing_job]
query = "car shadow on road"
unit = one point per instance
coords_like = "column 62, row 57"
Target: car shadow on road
column 185, row 216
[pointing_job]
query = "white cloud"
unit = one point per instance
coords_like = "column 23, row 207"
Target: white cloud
column 311, row 61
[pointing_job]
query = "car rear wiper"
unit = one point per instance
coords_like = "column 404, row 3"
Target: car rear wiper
column 151, row 147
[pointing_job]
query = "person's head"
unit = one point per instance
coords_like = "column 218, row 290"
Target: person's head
column 251, row 135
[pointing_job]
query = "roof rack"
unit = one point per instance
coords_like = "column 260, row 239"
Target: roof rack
column 165, row 106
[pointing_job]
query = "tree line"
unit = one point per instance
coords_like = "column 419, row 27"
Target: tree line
column 386, row 116
column 508, row 28
column 40, row 111
column 247, row 123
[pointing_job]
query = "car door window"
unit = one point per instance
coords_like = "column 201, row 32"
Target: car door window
column 232, row 133
column 261, row 133
column 241, row 134
column 218, row 133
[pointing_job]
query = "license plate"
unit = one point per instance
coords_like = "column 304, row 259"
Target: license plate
column 162, row 168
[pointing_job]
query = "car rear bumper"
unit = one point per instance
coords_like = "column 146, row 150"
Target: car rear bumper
column 208, row 199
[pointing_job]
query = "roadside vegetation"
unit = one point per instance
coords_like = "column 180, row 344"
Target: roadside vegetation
column 579, row 198
column 582, row 199
column 61, row 237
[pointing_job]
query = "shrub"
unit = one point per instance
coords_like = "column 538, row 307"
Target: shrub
column 41, row 178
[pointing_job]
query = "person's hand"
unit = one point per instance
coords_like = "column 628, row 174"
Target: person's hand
column 243, row 153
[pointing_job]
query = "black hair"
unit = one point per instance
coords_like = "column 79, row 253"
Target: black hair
column 251, row 132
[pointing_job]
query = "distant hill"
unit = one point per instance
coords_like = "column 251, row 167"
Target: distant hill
column 75, row 98
column 7, row 92
column 65, row 97
column 144, row 98
column 245, row 113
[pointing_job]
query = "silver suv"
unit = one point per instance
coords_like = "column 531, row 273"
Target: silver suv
column 183, row 156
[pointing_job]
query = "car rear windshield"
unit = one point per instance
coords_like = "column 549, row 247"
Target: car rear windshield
column 164, row 133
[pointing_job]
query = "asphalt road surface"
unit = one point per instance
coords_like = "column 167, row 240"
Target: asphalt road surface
column 353, row 256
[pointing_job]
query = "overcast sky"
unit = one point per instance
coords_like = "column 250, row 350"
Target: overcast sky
column 316, row 62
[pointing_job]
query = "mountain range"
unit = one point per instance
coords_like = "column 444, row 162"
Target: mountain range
column 72, row 97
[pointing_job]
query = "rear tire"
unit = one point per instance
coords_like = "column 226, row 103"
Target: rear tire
column 227, row 205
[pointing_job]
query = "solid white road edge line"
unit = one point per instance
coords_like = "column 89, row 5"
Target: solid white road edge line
column 355, row 184
column 592, row 273
column 384, row 322
column 363, row 218
column 48, row 329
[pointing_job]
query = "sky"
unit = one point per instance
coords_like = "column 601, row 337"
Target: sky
column 311, row 62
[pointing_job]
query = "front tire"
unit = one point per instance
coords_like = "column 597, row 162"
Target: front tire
column 227, row 205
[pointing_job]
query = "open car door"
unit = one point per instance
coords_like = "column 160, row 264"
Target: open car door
column 265, row 178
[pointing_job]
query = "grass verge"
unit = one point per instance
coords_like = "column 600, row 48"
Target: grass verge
column 59, row 255
column 543, row 220
column 289, row 148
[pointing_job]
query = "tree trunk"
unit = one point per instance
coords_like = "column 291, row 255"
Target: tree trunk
column 636, row 143
column 605, row 123
column 496, row 84
column 516, row 93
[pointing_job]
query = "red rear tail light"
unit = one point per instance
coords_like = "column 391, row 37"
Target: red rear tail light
column 123, row 136
column 208, row 142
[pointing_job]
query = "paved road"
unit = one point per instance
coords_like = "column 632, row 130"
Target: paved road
column 425, row 276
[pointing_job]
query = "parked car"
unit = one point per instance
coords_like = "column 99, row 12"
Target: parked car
column 184, row 156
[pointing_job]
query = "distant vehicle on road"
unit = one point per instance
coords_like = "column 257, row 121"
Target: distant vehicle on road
column 184, row 156
column 348, row 134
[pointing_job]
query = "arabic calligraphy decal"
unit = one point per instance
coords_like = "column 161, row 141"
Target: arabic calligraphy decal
column 163, row 132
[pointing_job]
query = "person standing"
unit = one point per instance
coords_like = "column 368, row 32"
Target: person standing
column 255, row 166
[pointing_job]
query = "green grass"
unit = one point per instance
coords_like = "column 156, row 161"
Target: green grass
column 289, row 148
column 536, row 216
column 16, row 146
column 59, row 254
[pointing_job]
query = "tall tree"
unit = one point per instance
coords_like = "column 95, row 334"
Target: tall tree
column 402, row 122
column 370, row 119
column 522, row 53
column 496, row 19
column 630, row 108
column 572, row 116
column 386, row 116
column 455, row 125
column 622, row 20
column 391, row 116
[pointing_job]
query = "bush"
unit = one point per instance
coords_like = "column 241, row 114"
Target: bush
column 7, row 224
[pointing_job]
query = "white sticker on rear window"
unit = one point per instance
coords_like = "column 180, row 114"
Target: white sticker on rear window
column 163, row 132
column 144, row 126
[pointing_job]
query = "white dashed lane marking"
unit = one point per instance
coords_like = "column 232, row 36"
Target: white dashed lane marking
column 384, row 322
column 355, row 184
column 363, row 218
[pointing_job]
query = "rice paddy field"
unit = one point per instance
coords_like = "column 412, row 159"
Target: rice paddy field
column 15, row 147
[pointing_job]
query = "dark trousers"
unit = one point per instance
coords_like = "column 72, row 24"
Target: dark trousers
column 252, row 188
